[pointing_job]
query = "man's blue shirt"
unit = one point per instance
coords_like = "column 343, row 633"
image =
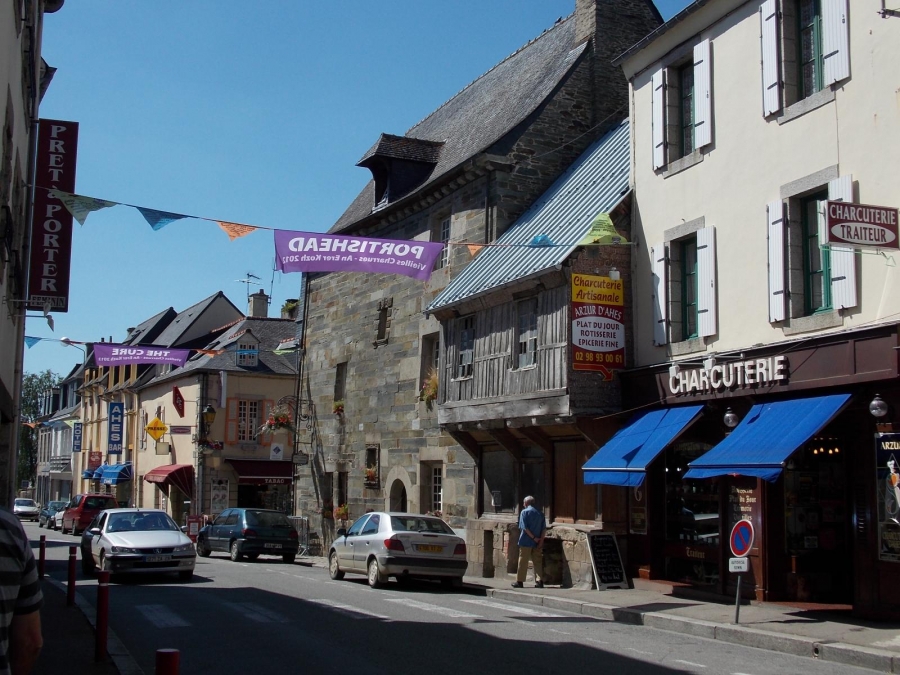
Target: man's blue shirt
column 532, row 520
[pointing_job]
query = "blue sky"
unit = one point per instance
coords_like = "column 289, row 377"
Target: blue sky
column 246, row 112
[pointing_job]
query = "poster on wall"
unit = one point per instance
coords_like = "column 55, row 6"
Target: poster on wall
column 887, row 489
column 218, row 497
column 598, row 328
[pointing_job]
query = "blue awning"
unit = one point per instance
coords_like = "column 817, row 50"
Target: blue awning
column 769, row 434
column 624, row 459
column 113, row 474
column 98, row 472
column 87, row 473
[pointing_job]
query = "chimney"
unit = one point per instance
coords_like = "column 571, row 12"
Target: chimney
column 259, row 305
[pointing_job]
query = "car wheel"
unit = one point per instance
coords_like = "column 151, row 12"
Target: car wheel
column 334, row 570
column 235, row 551
column 187, row 575
column 87, row 564
column 62, row 528
column 375, row 578
column 40, row 524
column 203, row 549
column 289, row 558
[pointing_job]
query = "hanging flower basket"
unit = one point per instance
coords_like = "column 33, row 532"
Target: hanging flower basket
column 371, row 476
column 338, row 407
column 342, row 512
column 208, row 446
column 281, row 418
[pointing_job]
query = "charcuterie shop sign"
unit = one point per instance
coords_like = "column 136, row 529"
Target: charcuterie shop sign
column 861, row 225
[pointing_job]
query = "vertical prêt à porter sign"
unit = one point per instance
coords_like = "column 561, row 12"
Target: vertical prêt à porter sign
column 51, row 229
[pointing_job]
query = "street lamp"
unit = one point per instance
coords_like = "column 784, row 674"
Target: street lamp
column 209, row 416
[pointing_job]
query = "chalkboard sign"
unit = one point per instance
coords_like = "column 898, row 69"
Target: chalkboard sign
column 607, row 561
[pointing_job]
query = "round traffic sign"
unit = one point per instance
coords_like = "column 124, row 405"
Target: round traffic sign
column 741, row 539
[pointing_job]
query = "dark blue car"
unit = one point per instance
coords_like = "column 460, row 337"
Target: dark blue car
column 250, row 532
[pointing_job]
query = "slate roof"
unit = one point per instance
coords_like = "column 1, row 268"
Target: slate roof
column 270, row 332
column 184, row 320
column 595, row 183
column 487, row 109
column 147, row 330
column 401, row 147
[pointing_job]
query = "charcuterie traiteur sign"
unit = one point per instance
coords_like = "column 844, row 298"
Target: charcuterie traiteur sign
column 311, row 252
column 109, row 354
column 598, row 330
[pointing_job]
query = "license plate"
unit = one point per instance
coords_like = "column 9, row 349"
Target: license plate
column 158, row 558
column 272, row 545
column 429, row 548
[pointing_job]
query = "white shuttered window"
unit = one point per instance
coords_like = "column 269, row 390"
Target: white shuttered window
column 660, row 297
column 707, row 317
column 843, row 260
column 702, row 94
column 775, row 218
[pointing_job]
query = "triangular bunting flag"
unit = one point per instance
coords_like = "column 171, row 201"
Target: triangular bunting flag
column 474, row 248
column 282, row 352
column 209, row 352
column 540, row 241
column 159, row 219
column 236, row 230
column 602, row 232
column 80, row 207
column 31, row 341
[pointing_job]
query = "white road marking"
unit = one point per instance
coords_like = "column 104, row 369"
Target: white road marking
column 638, row 651
column 437, row 609
column 256, row 612
column 690, row 663
column 516, row 609
column 350, row 610
column 161, row 616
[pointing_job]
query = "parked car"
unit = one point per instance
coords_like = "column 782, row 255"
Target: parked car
column 47, row 513
column 400, row 545
column 57, row 519
column 135, row 541
column 82, row 509
column 250, row 532
column 26, row 509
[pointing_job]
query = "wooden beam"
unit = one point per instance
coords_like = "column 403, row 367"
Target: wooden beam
column 539, row 438
column 507, row 441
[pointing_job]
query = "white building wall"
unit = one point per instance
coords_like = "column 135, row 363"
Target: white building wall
column 751, row 157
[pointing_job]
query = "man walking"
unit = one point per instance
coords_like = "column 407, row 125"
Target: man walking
column 532, row 527
column 20, row 599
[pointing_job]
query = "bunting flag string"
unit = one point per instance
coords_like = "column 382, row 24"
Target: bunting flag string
column 80, row 206
column 31, row 341
column 158, row 219
column 236, row 230
column 105, row 347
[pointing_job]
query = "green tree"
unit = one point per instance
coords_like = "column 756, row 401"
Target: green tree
column 33, row 387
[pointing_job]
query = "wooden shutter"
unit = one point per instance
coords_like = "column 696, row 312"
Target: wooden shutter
column 771, row 57
column 660, row 297
column 843, row 260
column 707, row 317
column 835, row 41
column 775, row 218
column 659, row 119
column 231, row 420
column 702, row 95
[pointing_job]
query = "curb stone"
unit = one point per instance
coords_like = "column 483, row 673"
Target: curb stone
column 861, row 657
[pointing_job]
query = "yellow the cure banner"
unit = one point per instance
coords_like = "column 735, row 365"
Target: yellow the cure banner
column 598, row 330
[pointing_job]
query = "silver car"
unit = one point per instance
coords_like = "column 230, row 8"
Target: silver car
column 400, row 545
column 26, row 509
column 130, row 541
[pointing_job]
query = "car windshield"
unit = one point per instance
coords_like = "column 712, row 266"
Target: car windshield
column 24, row 502
column 56, row 505
column 419, row 524
column 99, row 503
column 139, row 522
column 267, row 519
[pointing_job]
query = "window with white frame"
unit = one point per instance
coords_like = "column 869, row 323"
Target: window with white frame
column 437, row 487
column 526, row 328
column 247, row 420
column 466, row 346
column 805, row 49
column 442, row 235
column 807, row 277
column 683, row 270
column 682, row 105
column 247, row 354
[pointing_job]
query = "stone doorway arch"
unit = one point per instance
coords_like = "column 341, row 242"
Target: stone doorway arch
column 398, row 496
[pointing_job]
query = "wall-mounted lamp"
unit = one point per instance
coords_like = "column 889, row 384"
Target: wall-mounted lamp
column 674, row 369
column 730, row 419
column 209, row 415
column 614, row 274
column 878, row 407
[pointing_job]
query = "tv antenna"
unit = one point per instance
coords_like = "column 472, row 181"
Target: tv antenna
column 250, row 278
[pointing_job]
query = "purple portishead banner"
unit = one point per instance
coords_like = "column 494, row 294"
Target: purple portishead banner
column 312, row 252
column 108, row 354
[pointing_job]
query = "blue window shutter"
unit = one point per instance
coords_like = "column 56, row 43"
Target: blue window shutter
column 707, row 316
column 843, row 260
column 702, row 94
column 775, row 218
column 660, row 297
column 835, row 41
column 771, row 58
column 658, row 82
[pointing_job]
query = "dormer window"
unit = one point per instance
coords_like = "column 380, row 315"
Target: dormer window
column 247, row 354
column 399, row 165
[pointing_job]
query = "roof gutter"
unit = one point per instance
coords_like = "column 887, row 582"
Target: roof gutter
column 660, row 30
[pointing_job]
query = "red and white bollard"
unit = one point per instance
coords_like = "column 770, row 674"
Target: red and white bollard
column 102, row 615
column 43, row 556
column 167, row 661
column 70, row 591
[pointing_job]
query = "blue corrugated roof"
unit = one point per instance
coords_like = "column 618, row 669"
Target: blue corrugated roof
column 595, row 183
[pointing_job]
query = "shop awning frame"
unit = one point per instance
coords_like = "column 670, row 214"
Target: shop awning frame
column 179, row 475
column 262, row 471
column 623, row 460
column 767, row 436
column 113, row 474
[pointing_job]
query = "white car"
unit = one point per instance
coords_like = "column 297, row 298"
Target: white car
column 137, row 541
column 26, row 509
column 57, row 519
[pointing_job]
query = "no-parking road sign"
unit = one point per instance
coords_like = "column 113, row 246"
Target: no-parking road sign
column 741, row 539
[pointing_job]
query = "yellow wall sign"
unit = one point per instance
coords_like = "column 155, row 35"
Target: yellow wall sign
column 156, row 428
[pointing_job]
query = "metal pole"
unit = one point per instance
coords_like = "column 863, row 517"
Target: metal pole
column 70, row 591
column 42, row 557
column 737, row 601
column 102, row 615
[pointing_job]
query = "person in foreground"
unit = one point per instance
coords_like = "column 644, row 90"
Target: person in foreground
column 532, row 527
column 20, row 599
